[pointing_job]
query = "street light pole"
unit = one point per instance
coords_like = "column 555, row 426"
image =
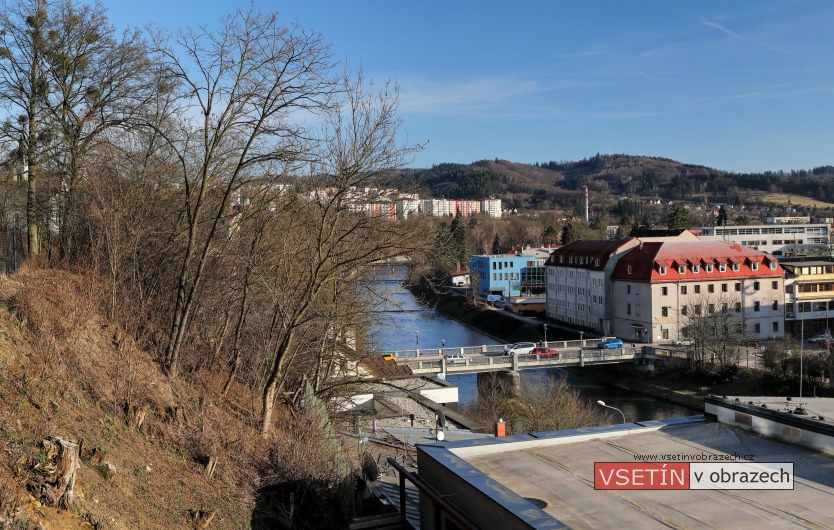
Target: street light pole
column 545, row 335
column 417, row 339
column 601, row 403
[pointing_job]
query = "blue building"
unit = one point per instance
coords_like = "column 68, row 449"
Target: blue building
column 510, row 274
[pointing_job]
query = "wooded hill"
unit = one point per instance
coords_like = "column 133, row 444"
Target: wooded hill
column 559, row 184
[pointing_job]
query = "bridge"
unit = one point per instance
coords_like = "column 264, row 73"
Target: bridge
column 491, row 358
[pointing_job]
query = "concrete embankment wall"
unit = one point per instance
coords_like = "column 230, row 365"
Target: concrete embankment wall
column 494, row 323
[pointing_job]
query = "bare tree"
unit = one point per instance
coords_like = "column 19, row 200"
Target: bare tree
column 240, row 89
column 717, row 325
column 24, row 26
column 335, row 244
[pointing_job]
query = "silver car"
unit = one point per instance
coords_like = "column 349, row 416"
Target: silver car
column 519, row 348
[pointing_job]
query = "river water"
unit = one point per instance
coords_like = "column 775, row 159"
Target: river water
column 404, row 323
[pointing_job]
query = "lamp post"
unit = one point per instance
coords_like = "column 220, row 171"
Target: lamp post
column 601, row 403
column 417, row 339
column 581, row 344
column 442, row 346
column 545, row 335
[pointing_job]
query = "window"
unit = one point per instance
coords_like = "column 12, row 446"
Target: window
column 664, row 291
column 723, row 287
column 696, row 268
column 738, row 286
column 697, row 309
column 683, row 289
column 628, row 289
column 724, row 308
column 757, row 328
column 628, row 309
column 712, row 308
column 710, row 288
column 775, row 305
column 664, row 311
column 682, row 269
column 738, row 307
column 697, row 289
column 736, row 267
column 775, row 284
column 709, row 267
column 684, row 310
column 773, row 268
column 755, row 286
column 596, row 262
column 757, row 306
column 494, row 265
column 665, row 334
column 775, row 327
column 722, row 267
column 754, row 265
column 662, row 269
column 629, row 269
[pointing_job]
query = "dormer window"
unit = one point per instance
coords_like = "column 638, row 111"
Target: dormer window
column 570, row 259
column 773, row 265
column 722, row 267
column 709, row 267
column 736, row 267
column 754, row 265
column 662, row 269
column 696, row 268
column 628, row 269
column 596, row 262
column 682, row 269
column 561, row 259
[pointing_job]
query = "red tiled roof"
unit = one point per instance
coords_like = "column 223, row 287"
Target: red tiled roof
column 644, row 261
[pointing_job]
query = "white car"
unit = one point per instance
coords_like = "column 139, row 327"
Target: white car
column 683, row 342
column 455, row 358
column 520, row 348
column 819, row 338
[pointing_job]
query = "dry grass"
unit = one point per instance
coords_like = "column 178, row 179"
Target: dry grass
column 66, row 370
column 785, row 198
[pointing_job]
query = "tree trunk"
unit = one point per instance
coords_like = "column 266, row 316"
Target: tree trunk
column 60, row 491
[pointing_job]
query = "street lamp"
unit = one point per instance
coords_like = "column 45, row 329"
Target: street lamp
column 442, row 345
column 601, row 403
column 581, row 333
column 545, row 335
column 417, row 339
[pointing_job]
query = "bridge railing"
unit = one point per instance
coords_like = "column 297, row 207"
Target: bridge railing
column 486, row 349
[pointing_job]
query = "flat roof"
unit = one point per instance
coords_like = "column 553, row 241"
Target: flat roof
column 561, row 477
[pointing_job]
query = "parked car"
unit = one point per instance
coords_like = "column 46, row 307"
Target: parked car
column 541, row 351
column 610, row 342
column 501, row 304
column 492, row 298
column 455, row 358
column 683, row 342
column 520, row 348
column 389, row 357
column 819, row 338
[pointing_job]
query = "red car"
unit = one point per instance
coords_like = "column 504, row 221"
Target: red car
column 541, row 351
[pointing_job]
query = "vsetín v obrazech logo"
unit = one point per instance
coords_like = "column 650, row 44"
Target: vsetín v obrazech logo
column 693, row 476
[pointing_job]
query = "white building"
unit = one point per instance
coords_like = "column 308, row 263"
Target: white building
column 661, row 288
column 797, row 239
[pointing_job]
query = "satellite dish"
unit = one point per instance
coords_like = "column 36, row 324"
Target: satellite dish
column 438, row 434
column 440, row 419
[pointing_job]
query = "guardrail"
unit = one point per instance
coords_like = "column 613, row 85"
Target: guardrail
column 484, row 349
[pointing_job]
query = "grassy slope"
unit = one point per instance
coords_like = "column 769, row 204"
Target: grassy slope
column 61, row 374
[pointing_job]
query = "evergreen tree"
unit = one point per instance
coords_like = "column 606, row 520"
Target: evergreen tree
column 569, row 233
column 457, row 243
column 625, row 226
column 678, row 217
column 496, row 244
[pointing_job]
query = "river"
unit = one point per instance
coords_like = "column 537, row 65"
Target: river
column 403, row 322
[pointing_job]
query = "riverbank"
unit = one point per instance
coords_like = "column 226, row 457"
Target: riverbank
column 498, row 324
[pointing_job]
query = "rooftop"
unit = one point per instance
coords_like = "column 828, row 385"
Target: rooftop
column 546, row 480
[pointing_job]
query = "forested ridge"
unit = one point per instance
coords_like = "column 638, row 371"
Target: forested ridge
column 546, row 184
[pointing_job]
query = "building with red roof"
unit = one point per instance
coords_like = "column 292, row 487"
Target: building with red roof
column 663, row 290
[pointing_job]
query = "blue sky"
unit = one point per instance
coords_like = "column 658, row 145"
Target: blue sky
column 740, row 86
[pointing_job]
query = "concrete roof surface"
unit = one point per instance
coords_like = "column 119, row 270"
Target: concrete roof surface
column 562, row 476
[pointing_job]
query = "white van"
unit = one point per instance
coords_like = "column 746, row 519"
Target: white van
column 492, row 298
